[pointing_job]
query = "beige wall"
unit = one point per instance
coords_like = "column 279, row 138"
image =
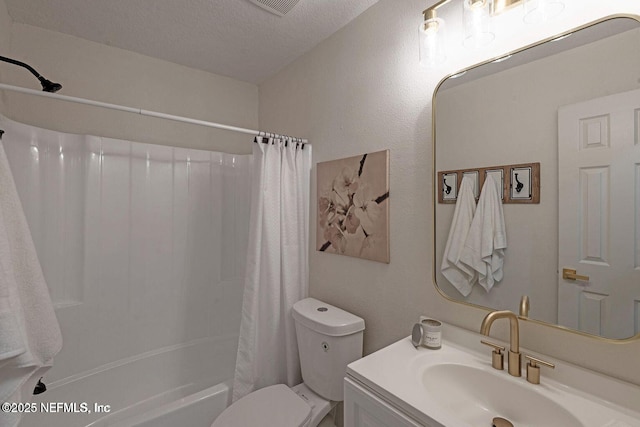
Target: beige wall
column 362, row 90
column 99, row 72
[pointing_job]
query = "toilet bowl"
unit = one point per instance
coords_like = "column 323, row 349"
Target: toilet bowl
column 276, row 405
column 328, row 340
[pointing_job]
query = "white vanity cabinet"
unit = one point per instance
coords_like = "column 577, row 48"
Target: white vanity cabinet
column 404, row 386
column 364, row 409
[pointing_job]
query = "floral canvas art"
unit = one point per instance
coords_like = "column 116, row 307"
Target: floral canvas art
column 353, row 206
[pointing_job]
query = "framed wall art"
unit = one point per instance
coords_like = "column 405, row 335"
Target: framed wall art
column 353, row 206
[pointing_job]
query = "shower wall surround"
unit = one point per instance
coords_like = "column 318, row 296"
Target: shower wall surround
column 143, row 246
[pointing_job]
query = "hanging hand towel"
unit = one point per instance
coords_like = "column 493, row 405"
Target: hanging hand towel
column 31, row 334
column 460, row 275
column 487, row 239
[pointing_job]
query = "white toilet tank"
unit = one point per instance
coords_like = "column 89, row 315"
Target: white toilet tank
column 328, row 340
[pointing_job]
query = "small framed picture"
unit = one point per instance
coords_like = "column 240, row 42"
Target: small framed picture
column 520, row 183
column 449, row 186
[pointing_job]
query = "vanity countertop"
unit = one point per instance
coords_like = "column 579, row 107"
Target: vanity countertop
column 401, row 375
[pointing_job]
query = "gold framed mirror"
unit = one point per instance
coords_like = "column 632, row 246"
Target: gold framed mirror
column 557, row 103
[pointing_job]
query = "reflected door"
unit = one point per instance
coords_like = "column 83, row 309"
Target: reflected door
column 599, row 215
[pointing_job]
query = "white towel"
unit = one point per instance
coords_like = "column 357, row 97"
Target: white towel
column 487, row 239
column 29, row 332
column 460, row 275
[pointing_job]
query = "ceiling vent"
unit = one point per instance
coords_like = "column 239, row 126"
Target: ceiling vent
column 277, row 7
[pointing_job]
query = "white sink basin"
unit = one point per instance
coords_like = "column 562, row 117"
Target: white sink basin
column 456, row 386
column 476, row 396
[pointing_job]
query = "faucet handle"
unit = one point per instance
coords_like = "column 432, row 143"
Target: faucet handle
column 533, row 370
column 497, row 358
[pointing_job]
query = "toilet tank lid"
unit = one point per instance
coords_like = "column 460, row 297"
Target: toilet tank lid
column 325, row 318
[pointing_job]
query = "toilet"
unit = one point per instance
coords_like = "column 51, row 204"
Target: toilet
column 328, row 340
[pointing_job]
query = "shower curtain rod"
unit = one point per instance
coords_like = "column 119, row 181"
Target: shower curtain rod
column 142, row 112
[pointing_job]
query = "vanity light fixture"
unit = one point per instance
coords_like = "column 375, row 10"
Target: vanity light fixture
column 432, row 33
column 477, row 16
column 500, row 6
column 477, row 23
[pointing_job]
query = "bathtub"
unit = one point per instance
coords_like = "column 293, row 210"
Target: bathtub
column 195, row 409
column 142, row 391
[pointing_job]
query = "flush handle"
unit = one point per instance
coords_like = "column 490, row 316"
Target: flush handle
column 570, row 274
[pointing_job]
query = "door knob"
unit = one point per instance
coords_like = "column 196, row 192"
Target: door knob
column 570, row 274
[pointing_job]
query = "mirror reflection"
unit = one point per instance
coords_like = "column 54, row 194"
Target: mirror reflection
column 573, row 106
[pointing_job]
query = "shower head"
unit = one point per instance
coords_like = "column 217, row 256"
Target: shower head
column 47, row 85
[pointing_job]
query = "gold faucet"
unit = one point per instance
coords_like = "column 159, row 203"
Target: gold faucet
column 514, row 337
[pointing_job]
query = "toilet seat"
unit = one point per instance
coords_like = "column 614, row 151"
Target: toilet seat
column 276, row 405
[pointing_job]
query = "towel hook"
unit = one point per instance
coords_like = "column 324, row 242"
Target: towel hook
column 447, row 189
column 519, row 184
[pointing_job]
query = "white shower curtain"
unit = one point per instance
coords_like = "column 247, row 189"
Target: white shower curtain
column 277, row 266
column 29, row 332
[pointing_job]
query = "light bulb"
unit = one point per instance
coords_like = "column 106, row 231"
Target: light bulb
column 432, row 40
column 477, row 23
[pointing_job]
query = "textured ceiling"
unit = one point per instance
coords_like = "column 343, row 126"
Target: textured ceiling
column 234, row 38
